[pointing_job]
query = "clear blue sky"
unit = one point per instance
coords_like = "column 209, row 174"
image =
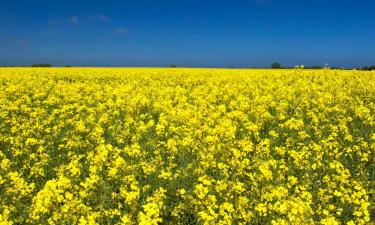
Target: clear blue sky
column 241, row 33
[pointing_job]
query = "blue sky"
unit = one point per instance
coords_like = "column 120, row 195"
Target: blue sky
column 243, row 33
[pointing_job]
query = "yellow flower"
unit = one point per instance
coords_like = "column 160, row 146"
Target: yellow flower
column 180, row 146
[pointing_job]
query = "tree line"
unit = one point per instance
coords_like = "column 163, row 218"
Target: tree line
column 275, row 65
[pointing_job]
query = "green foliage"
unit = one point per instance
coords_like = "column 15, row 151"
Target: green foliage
column 41, row 65
column 276, row 65
column 369, row 68
column 313, row 67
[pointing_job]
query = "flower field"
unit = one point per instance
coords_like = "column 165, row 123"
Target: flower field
column 186, row 146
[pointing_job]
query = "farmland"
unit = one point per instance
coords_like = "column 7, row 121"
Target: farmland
column 186, row 146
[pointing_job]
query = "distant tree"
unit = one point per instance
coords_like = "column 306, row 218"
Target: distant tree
column 314, row 67
column 67, row 66
column 41, row 65
column 368, row 68
column 276, row 65
column 173, row 66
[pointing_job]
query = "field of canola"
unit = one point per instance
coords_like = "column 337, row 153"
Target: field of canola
column 186, row 146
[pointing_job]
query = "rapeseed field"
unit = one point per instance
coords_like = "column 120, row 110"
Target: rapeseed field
column 186, row 146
